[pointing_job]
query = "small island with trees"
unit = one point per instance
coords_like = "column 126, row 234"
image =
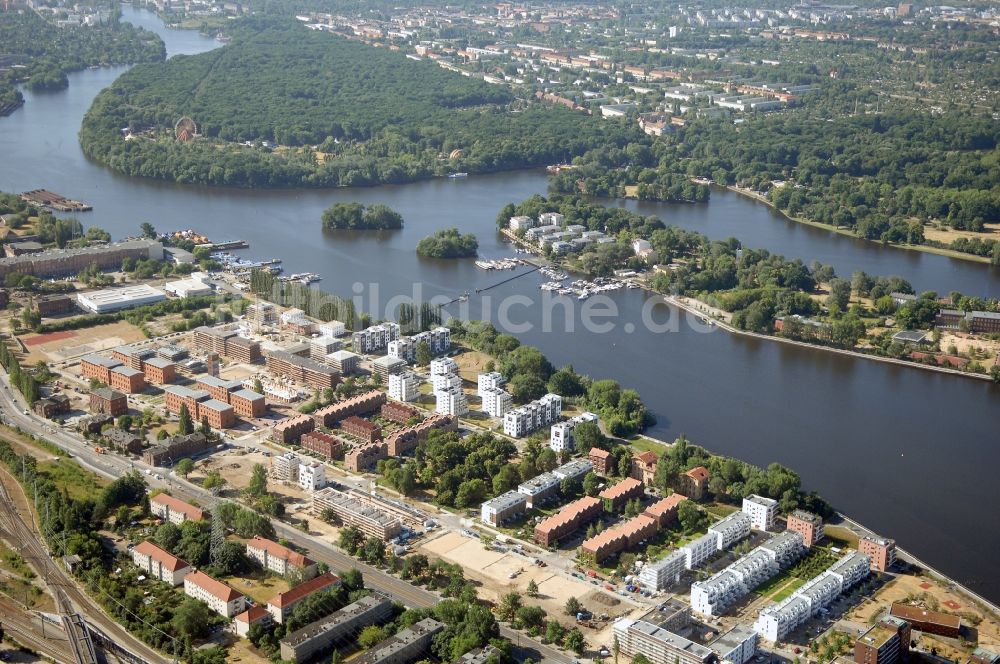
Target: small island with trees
column 358, row 217
column 448, row 243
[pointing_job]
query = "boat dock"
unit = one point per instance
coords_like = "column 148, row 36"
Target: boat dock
column 50, row 199
column 229, row 244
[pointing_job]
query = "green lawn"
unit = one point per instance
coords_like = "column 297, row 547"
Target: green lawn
column 66, row 474
column 641, row 444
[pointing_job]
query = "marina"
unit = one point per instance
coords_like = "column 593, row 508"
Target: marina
column 499, row 264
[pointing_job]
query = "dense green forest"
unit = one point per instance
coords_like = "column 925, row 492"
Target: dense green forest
column 319, row 110
column 49, row 52
column 880, row 175
column 448, row 243
column 355, row 217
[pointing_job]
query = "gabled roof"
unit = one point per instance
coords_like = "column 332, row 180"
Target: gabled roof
column 278, row 551
column 303, row 590
column 176, row 505
column 214, row 587
column 698, row 473
column 168, row 560
column 599, row 453
column 252, row 615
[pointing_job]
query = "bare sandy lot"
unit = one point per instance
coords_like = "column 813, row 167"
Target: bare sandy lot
column 493, row 570
column 935, row 596
column 947, row 235
column 60, row 347
column 964, row 343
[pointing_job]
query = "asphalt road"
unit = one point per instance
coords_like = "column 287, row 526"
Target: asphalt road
column 112, row 466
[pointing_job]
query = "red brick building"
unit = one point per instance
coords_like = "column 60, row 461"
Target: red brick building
column 567, row 520
column 364, row 457
column 601, row 459
column 399, row 412
column 323, row 444
column 108, row 401
column 369, row 402
column 405, row 440
column 881, row 550
column 220, row 415
column 615, row 497
column 99, row 367
column 127, row 380
column 159, row 371
column 362, row 429
column 665, row 511
column 291, row 429
column 248, row 403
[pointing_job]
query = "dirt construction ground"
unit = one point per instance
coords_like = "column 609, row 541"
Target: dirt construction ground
column 934, row 595
column 493, row 569
column 59, row 346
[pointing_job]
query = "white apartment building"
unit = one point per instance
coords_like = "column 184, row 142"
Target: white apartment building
column 576, row 469
column 405, row 348
column 451, row 401
column 774, row 622
column 550, row 219
column 714, row 595
column 159, row 564
column 730, row 530
column 520, row 223
column 312, row 476
column 446, row 381
column 663, row 573
column 529, row 417
column 278, row 558
column 538, row 489
column 375, row 337
column 503, row 508
column 443, row 366
column 489, row 381
column 698, row 551
column 173, row 510
column 404, row 386
column 496, row 401
column 218, row 596
column 761, row 511
column 561, row 436
column 285, row 467
column 332, row 329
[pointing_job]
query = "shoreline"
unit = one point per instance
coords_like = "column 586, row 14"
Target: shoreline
column 691, row 309
column 927, row 249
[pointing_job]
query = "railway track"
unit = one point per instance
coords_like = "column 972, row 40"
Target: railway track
column 69, row 596
column 31, row 635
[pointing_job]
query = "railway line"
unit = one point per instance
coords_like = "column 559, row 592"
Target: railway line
column 31, row 633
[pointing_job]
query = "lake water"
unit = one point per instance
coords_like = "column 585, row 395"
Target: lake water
column 908, row 452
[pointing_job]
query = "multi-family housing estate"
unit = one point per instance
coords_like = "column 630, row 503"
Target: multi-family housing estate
column 438, row 341
column 218, row 596
column 881, row 550
column 761, row 511
column 714, row 595
column 352, row 512
column 277, row 558
column 159, row 564
column 561, row 436
column 404, row 386
column 174, row 510
column 504, row 508
column 375, row 337
column 317, row 637
column 776, row 621
column 532, row 416
column 809, row 525
column 280, row 606
column 567, row 520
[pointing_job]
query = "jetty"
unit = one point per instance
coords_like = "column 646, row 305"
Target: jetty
column 57, row 202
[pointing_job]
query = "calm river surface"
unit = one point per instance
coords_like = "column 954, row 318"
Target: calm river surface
column 910, row 453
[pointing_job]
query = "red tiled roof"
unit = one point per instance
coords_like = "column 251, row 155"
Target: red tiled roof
column 568, row 513
column 661, row 507
column 214, row 587
column 698, row 473
column 622, row 488
column 168, row 560
column 647, row 457
column 289, row 597
column 175, row 505
column 599, row 453
column 278, row 551
column 252, row 615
